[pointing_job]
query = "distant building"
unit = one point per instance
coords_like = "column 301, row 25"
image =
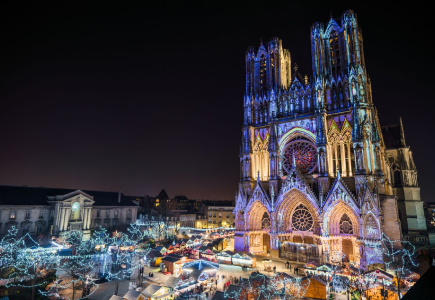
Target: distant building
column 195, row 213
column 429, row 208
column 40, row 210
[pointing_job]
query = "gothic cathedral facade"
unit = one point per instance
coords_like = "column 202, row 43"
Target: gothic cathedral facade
column 317, row 179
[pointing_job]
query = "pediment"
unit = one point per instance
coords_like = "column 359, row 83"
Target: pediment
column 297, row 181
column 259, row 194
column 72, row 196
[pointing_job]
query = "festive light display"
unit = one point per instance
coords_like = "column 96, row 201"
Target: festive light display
column 305, row 154
column 27, row 264
column 260, row 286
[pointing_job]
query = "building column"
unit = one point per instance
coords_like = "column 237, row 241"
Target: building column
column 85, row 218
column 67, row 216
column 89, row 217
column 349, row 161
column 62, row 218
column 330, row 156
column 343, row 159
column 336, row 158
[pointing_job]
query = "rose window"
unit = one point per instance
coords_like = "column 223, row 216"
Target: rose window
column 305, row 155
column 346, row 225
column 265, row 222
column 302, row 220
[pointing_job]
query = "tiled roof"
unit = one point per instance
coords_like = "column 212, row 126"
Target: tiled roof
column 151, row 290
column 23, row 195
column 131, row 295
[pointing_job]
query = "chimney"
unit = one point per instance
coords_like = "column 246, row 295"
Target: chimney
column 119, row 197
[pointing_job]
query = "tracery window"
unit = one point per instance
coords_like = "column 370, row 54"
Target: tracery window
column 334, row 50
column 346, row 225
column 263, row 74
column 302, row 220
column 265, row 221
column 305, row 155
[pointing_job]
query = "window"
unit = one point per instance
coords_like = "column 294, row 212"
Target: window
column 209, row 220
column 263, row 74
column 41, row 214
column 97, row 224
column 116, row 213
column 107, row 213
column 27, row 215
column 75, row 211
column 220, row 215
column 12, row 214
column 209, row 215
column 128, row 213
column 98, row 213
column 39, row 229
column 334, row 51
column 228, row 216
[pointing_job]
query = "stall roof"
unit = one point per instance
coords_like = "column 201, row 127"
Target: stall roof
column 201, row 264
column 170, row 259
column 172, row 282
column 219, row 296
column 131, row 295
column 114, row 297
column 159, row 248
column 151, row 290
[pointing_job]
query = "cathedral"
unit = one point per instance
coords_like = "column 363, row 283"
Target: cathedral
column 320, row 178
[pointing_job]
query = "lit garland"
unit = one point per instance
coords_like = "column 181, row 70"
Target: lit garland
column 260, row 286
column 25, row 262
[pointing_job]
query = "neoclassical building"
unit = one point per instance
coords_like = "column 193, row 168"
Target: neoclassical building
column 320, row 178
column 53, row 211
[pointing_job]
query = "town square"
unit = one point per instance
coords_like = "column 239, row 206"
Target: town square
column 205, row 151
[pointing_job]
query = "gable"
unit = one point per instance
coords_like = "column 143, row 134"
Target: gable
column 340, row 191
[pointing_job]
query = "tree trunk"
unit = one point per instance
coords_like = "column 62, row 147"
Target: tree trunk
column 73, row 289
column 33, row 288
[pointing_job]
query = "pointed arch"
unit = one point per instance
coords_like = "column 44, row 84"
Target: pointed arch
column 333, row 216
column 286, row 205
column 255, row 214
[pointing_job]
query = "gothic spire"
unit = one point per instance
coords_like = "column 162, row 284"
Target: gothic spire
column 402, row 134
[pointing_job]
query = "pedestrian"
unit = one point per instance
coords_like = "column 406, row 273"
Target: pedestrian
column 274, row 269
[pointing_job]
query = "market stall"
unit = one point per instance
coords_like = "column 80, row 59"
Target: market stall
column 224, row 257
column 244, row 260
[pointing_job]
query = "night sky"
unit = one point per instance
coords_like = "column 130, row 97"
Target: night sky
column 140, row 98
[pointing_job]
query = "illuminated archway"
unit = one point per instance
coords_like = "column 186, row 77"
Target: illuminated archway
column 255, row 215
column 334, row 217
column 292, row 202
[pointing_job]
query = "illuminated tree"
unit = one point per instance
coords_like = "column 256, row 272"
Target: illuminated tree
column 260, row 286
column 25, row 262
column 76, row 268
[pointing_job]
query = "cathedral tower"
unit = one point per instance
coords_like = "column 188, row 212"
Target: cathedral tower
column 314, row 175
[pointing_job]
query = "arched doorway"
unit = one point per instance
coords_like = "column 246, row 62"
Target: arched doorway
column 343, row 226
column 259, row 223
